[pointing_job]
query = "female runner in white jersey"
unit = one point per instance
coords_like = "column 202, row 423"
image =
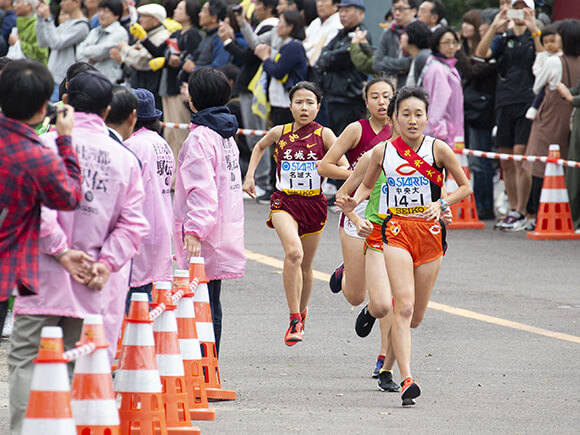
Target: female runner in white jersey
column 413, row 234
column 356, row 139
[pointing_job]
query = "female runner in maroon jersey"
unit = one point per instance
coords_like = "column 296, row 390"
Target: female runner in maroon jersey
column 298, row 209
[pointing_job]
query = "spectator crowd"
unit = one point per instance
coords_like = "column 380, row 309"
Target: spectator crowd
column 487, row 80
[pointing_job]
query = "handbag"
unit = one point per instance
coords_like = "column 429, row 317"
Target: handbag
column 477, row 108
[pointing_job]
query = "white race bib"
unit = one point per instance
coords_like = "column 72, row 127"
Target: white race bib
column 299, row 178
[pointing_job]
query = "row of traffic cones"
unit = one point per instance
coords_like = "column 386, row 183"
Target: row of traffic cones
column 554, row 220
column 165, row 375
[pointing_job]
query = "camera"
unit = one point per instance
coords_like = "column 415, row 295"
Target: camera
column 52, row 110
column 237, row 9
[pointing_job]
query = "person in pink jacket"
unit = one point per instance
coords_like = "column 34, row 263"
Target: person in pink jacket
column 154, row 262
column 442, row 81
column 208, row 205
column 104, row 233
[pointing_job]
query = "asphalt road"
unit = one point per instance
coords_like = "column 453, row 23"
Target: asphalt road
column 497, row 353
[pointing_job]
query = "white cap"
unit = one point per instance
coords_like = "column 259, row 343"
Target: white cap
column 529, row 3
column 93, row 319
column 180, row 273
column 154, row 10
column 196, row 260
column 51, row 332
column 163, row 285
column 140, row 297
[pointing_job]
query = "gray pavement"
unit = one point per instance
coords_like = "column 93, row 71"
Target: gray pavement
column 477, row 377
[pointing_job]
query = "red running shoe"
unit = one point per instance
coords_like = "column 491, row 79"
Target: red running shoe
column 294, row 333
column 410, row 391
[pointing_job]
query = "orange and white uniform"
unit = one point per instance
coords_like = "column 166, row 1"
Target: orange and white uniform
column 404, row 197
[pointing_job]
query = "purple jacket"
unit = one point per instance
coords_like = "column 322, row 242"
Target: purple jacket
column 208, row 203
column 108, row 225
column 443, row 82
column 153, row 263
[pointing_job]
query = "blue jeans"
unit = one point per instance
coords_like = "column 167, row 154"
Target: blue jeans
column 147, row 288
column 481, row 168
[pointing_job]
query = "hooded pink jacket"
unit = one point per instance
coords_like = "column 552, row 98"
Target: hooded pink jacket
column 208, row 203
column 108, row 225
column 153, row 263
column 443, row 82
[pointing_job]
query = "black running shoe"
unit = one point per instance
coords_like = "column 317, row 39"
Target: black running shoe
column 386, row 382
column 364, row 322
column 335, row 282
column 411, row 391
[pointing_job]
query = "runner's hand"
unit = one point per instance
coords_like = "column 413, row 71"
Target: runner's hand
column 447, row 217
column 249, row 187
column 346, row 203
column 363, row 227
column 433, row 211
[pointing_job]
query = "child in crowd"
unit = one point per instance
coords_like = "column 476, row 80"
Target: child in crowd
column 298, row 207
column 208, row 204
column 158, row 164
column 552, row 47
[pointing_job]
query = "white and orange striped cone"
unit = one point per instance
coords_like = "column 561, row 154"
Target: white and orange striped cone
column 93, row 400
column 190, row 350
column 49, row 408
column 137, row 382
column 174, row 391
column 206, row 335
column 554, row 219
column 464, row 212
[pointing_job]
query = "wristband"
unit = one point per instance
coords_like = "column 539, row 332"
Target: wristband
column 444, row 204
column 227, row 42
column 60, row 254
column 538, row 33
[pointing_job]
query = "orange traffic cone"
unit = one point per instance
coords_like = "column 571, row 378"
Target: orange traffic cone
column 465, row 211
column 49, row 409
column 170, row 364
column 554, row 220
column 119, row 343
column 204, row 325
column 190, row 350
column 93, row 400
column 137, row 382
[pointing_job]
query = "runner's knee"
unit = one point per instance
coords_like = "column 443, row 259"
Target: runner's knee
column 294, row 254
column 405, row 310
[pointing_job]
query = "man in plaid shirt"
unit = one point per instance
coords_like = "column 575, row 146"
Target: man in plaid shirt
column 30, row 173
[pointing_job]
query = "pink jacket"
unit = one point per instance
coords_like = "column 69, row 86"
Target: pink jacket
column 108, row 225
column 443, row 82
column 208, row 203
column 153, row 263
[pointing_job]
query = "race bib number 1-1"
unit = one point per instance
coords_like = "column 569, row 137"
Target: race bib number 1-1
column 299, row 178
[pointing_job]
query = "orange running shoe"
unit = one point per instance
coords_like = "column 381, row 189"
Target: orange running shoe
column 410, row 391
column 294, row 333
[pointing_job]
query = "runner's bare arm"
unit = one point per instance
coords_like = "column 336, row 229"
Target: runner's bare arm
column 372, row 174
column 332, row 165
column 272, row 137
column 356, row 176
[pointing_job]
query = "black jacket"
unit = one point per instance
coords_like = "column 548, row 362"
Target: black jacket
column 250, row 63
column 341, row 82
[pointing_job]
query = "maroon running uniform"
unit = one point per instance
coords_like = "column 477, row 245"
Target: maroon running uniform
column 298, row 184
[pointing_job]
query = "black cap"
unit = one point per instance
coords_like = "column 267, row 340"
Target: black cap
column 89, row 89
